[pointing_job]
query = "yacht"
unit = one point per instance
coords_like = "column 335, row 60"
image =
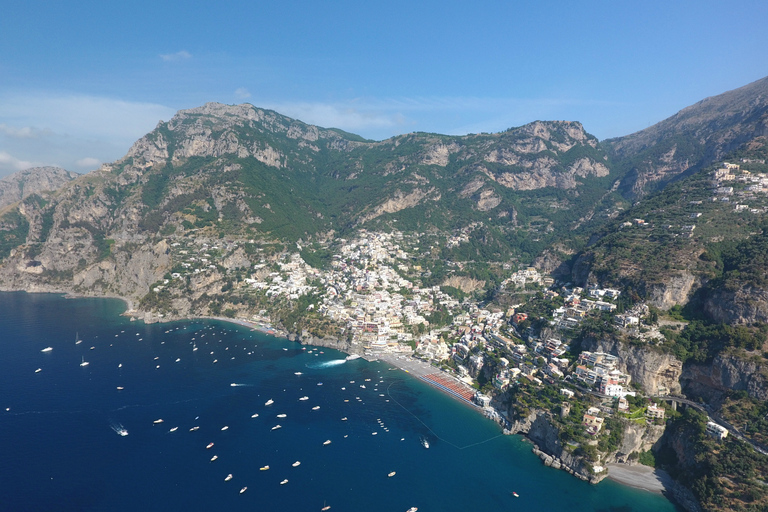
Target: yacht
column 284, row 482
column 225, row 427
column 326, row 442
column 255, row 415
column 304, row 398
column 515, row 494
column 298, row 373
column 315, row 407
column 174, row 429
column 296, row 463
column 390, row 475
column 38, row 370
column 276, row 427
column 264, row 468
column 412, row 509
column 243, row 489
column 209, row 446
column 47, row 349
column 269, row 402
column 344, row 418
column 120, row 388
column 160, row 420
column 228, row 478
column 326, row 507
column 193, row 429
column 214, row 458
column 281, row 415
column 424, row 442
column 352, row 357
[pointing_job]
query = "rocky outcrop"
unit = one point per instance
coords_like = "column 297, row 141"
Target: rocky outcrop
column 656, row 372
column 36, row 180
column 745, row 305
column 729, row 371
column 675, row 289
column 637, row 438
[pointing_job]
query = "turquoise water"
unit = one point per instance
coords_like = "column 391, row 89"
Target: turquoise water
column 61, row 451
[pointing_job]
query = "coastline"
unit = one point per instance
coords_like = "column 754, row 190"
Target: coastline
column 640, row 477
column 636, row 476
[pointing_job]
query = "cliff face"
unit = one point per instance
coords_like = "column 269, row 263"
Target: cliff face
column 727, row 372
column 745, row 305
column 655, row 372
column 22, row 184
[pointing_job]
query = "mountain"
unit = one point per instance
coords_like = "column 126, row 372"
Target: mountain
column 242, row 172
column 691, row 139
column 36, row 180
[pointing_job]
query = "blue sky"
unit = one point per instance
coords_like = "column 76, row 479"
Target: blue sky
column 81, row 81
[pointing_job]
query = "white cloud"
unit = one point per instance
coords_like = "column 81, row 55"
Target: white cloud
column 88, row 162
column 10, row 164
column 25, row 132
column 171, row 57
column 242, row 93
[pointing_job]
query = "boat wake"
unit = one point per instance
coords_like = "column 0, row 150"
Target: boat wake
column 326, row 364
column 119, row 429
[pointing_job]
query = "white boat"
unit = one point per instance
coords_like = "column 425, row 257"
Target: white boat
column 209, row 446
column 315, row 407
column 225, row 427
column 160, row 420
column 264, row 468
column 47, row 349
column 326, row 442
column 344, row 418
column 352, row 357
column 214, row 458
column 193, row 429
column 119, row 429
column 77, row 339
column 174, row 429
column 325, row 507
column 424, row 442
column 412, row 509
column 284, row 482
column 390, row 475
column 228, row 477
column 38, row 370
column 281, row 415
column 304, row 398
column 255, row 415
column 276, row 427
column 297, row 463
column 243, row 489
column 120, row 388
column 269, row 402
column 298, row 373
column 83, row 362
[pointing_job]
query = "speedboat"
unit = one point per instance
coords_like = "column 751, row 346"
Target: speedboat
column 296, row 463
column 209, row 446
column 424, row 442
column 47, row 349
column 515, row 494
column 228, row 478
column 276, row 427
column 269, row 402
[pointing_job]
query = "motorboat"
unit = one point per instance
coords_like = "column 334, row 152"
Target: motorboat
column 255, row 415
column 304, row 398
column 284, row 482
column 276, row 427
column 297, row 463
column 281, row 415
column 269, row 402
column 209, row 446
column 424, row 442
column 214, row 458
column 38, row 370
column 515, row 494
column 264, row 468
column 243, row 489
column 228, row 477
column 390, row 475
column 225, row 427
column 315, row 407
column 193, row 429
column 159, row 420
column 174, row 429
column 47, row 349
column 326, row 442
column 352, row 357
column 298, row 373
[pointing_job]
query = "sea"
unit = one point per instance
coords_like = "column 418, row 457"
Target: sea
column 209, row 382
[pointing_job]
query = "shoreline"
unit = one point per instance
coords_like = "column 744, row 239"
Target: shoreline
column 640, row 477
column 635, row 476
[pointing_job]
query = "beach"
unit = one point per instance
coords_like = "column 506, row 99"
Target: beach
column 640, row 477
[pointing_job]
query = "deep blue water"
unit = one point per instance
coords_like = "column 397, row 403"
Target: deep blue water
column 61, row 453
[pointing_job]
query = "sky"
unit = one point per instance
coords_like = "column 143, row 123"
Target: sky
column 81, row 81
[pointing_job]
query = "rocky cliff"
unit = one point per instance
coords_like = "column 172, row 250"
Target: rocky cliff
column 36, row 180
column 656, row 372
column 729, row 371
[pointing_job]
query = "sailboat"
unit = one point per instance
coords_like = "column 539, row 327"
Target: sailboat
column 77, row 339
column 83, row 362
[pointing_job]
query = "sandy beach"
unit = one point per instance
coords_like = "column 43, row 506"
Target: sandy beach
column 640, row 477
